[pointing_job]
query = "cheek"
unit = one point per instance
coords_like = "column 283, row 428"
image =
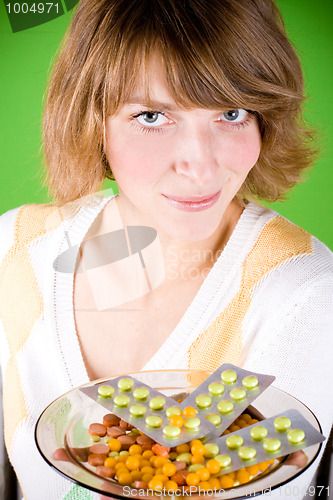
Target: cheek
column 244, row 152
column 135, row 160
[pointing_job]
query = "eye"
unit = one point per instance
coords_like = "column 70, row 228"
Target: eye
column 234, row 115
column 151, row 118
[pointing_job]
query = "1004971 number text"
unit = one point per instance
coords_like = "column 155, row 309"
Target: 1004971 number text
column 35, row 8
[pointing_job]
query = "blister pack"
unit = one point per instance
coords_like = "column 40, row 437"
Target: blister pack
column 271, row 438
column 225, row 394
column 148, row 410
column 208, row 411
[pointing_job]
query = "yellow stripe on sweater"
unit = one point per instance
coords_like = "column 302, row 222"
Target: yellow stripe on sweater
column 221, row 342
column 19, row 292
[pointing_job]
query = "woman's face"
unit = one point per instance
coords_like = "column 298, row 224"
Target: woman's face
column 177, row 169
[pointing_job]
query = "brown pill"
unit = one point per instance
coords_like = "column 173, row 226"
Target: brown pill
column 103, row 471
column 123, row 424
column 179, row 464
column 97, row 430
column 110, row 419
column 96, row 460
column 99, row 449
column 179, row 479
column 116, row 431
column 126, row 441
column 145, row 440
column 81, row 454
column 140, row 485
column 61, row 454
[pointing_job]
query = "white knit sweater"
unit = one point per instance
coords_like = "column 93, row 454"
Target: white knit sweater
column 266, row 305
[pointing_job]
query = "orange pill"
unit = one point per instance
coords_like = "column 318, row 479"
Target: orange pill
column 243, row 476
column 214, row 483
column 114, row 445
column 135, row 449
column 226, row 482
column 213, row 466
column 203, row 473
column 170, row 485
column 192, row 479
column 189, row 411
column 125, row 479
column 176, row 420
column 155, row 485
column 197, row 447
column 204, row 486
column 197, row 459
column 182, row 448
column 252, row 469
column 132, row 463
column 169, row 469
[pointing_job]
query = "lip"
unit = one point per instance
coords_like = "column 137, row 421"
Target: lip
column 193, row 203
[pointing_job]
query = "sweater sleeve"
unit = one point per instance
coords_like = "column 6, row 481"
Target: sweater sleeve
column 299, row 354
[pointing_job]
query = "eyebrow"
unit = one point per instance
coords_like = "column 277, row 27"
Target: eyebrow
column 152, row 104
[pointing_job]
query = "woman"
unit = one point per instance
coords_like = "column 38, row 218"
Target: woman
column 195, row 109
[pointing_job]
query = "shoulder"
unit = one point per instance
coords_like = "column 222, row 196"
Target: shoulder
column 280, row 244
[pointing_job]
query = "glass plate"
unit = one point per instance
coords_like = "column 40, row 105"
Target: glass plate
column 62, row 438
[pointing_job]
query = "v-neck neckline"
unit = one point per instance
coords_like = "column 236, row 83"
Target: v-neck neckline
column 194, row 319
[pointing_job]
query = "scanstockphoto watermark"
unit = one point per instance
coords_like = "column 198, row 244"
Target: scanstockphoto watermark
column 190, row 264
column 26, row 14
column 190, row 490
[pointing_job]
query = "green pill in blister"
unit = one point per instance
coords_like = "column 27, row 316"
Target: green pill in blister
column 122, row 401
column 229, row 376
column 192, row 423
column 138, row 410
column 211, row 450
column 213, row 418
column 203, row 401
column 105, row 391
column 140, row 393
column 224, row 460
column 238, row 394
column 282, row 424
column 157, row 403
column 225, row 407
column 173, row 410
column 233, row 442
column 171, row 431
column 125, row 384
column 246, row 452
column 216, row 389
column 250, row 382
column 154, row 421
column 295, row 436
column 271, row 445
column 258, row 433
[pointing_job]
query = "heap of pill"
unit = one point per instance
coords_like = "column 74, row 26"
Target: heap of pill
column 120, row 452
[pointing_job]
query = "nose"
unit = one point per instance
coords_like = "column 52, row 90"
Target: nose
column 195, row 155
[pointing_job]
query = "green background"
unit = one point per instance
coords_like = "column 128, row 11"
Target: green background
column 26, row 56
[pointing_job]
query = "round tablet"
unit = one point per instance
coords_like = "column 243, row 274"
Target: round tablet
column 105, row 391
column 195, row 467
column 258, row 433
column 203, row 401
column 154, row 421
column 246, row 452
column 138, row 410
column 250, row 382
column 216, row 389
column 295, row 436
column 238, row 394
column 233, row 442
column 122, row 401
column 157, row 403
column 229, row 376
column 282, row 424
column 171, row 431
column 184, row 457
column 211, row 450
column 271, row 445
column 224, row 460
column 192, row 423
column 125, row 384
column 141, row 393
column 225, row 407
column 214, row 418
column 173, row 410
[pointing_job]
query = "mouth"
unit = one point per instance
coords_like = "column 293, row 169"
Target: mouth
column 193, row 203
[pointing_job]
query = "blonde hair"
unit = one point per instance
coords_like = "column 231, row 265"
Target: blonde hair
column 219, row 54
